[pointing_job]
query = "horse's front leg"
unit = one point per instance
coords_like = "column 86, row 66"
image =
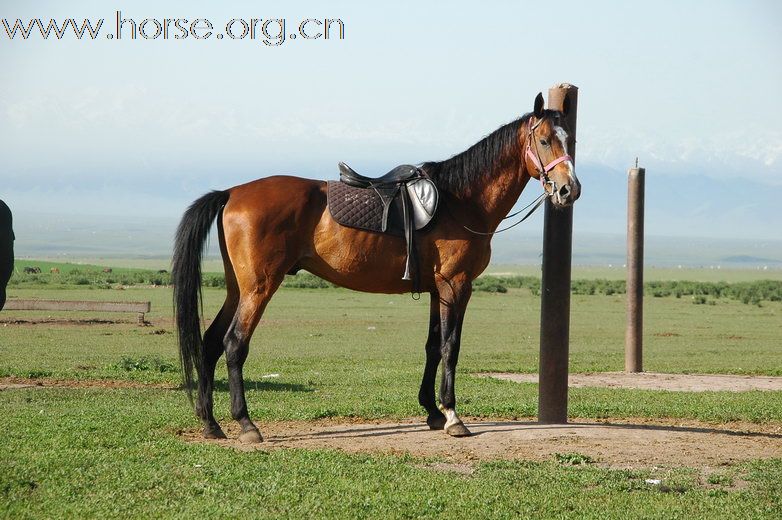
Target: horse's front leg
column 426, row 397
column 454, row 296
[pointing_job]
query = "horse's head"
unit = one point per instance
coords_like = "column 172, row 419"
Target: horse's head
column 546, row 154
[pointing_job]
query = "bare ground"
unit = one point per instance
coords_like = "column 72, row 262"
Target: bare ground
column 637, row 443
column 658, row 381
column 630, row 443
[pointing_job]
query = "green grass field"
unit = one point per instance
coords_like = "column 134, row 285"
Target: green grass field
column 114, row 452
column 617, row 272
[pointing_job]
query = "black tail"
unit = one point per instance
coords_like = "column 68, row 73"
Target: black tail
column 189, row 245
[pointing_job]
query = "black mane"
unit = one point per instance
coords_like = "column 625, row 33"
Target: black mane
column 499, row 149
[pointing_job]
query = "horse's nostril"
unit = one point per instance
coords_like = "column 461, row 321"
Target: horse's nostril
column 564, row 191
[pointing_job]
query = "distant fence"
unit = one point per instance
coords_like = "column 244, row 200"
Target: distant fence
column 79, row 305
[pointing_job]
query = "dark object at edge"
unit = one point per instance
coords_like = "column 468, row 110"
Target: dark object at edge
column 6, row 249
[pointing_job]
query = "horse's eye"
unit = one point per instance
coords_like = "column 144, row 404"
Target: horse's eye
column 544, row 142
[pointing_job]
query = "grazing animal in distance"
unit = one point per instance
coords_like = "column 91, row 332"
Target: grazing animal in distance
column 282, row 224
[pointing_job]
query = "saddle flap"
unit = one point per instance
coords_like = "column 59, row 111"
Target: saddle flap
column 424, row 197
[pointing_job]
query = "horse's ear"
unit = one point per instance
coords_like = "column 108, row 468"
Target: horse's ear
column 539, row 105
column 566, row 106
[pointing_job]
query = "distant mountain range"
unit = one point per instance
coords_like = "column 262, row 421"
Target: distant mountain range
column 691, row 220
column 40, row 235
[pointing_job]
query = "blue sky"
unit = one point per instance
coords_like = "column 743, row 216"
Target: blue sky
column 111, row 127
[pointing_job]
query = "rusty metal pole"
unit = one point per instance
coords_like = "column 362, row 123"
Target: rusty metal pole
column 635, row 270
column 555, row 286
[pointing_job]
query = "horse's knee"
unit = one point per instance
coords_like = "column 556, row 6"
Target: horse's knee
column 235, row 353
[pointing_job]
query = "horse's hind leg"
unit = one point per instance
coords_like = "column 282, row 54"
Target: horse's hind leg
column 436, row 419
column 214, row 344
column 213, row 349
column 237, row 346
column 454, row 296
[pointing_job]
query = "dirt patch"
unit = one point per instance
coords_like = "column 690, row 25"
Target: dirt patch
column 658, row 381
column 631, row 443
column 14, row 383
column 15, row 386
column 637, row 443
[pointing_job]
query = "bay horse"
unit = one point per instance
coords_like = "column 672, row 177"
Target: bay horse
column 279, row 225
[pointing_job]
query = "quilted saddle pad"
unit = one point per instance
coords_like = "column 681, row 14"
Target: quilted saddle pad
column 355, row 207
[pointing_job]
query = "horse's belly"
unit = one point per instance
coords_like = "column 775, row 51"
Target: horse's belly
column 375, row 262
column 359, row 260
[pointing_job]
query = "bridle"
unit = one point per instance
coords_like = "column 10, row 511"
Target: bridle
column 542, row 171
column 535, row 158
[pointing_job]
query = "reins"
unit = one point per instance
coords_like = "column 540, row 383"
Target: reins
column 537, row 202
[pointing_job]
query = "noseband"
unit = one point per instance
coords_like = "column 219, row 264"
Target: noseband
column 535, row 158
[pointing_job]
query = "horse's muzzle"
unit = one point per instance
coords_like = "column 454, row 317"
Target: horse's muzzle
column 565, row 195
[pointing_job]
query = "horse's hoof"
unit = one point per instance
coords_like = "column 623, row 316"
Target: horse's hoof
column 458, row 430
column 251, row 436
column 214, row 432
column 436, row 422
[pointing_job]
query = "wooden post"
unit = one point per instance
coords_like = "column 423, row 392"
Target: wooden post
column 635, row 270
column 555, row 286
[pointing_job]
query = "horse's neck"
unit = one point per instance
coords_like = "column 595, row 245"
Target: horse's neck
column 495, row 196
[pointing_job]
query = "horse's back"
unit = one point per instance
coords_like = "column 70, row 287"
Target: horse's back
column 277, row 188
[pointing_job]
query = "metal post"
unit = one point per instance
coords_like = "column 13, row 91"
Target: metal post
column 635, row 270
column 555, row 286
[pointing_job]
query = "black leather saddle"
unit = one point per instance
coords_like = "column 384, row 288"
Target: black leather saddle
column 399, row 203
column 399, row 174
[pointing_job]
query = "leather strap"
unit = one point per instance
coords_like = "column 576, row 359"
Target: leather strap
column 411, row 270
column 550, row 166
